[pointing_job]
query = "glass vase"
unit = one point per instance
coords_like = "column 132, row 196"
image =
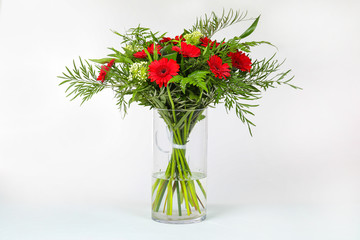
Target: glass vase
column 179, row 173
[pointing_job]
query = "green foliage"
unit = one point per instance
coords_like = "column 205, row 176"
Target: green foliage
column 82, row 81
column 139, row 36
column 241, row 109
column 213, row 23
column 265, row 74
column 251, row 28
column 196, row 79
column 245, row 46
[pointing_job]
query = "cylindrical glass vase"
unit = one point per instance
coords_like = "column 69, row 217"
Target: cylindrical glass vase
column 179, row 174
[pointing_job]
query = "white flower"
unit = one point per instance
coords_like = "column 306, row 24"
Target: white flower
column 139, row 71
column 134, row 48
column 193, row 38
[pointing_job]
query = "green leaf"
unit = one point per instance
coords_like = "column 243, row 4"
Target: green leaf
column 250, row 29
column 192, row 96
column 171, row 56
column 166, row 50
column 155, row 39
column 148, row 54
column 201, row 117
column 124, row 59
column 182, row 120
column 101, row 60
column 119, row 59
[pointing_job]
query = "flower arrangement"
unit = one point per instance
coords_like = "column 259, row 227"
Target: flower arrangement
column 189, row 71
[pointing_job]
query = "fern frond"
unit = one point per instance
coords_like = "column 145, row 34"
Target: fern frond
column 197, row 79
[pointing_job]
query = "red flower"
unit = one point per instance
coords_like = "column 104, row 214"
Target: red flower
column 240, row 60
column 163, row 70
column 216, row 43
column 187, row 50
column 141, row 54
column 178, row 38
column 165, row 39
column 206, row 41
column 104, row 70
column 219, row 69
column 150, row 49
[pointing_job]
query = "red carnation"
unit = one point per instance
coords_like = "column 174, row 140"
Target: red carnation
column 150, row 49
column 141, row 54
column 187, row 50
column 165, row 39
column 219, row 69
column 178, row 38
column 206, row 41
column 163, row 70
column 104, row 70
column 240, row 60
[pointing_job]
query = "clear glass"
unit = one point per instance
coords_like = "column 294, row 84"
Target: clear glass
column 179, row 174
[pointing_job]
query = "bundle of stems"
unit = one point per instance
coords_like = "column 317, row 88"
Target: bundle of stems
column 178, row 175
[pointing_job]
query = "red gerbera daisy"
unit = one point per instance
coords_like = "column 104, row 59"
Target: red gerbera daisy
column 163, row 70
column 104, row 70
column 150, row 49
column 240, row 60
column 206, row 41
column 187, row 50
column 219, row 69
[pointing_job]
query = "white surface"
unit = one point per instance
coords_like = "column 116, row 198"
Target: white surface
column 305, row 150
column 260, row 222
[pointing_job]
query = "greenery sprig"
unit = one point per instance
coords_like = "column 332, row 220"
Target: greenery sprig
column 209, row 25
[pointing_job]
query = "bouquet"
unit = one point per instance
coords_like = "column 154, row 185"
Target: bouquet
column 185, row 74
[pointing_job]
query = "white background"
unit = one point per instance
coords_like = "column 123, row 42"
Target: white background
column 71, row 172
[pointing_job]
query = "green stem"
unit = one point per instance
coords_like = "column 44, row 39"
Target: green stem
column 191, row 182
column 200, row 201
column 160, row 195
column 193, row 193
column 187, row 133
column 201, row 187
column 178, row 197
column 161, row 189
column 155, row 185
column 172, row 103
column 170, row 197
column 183, row 185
